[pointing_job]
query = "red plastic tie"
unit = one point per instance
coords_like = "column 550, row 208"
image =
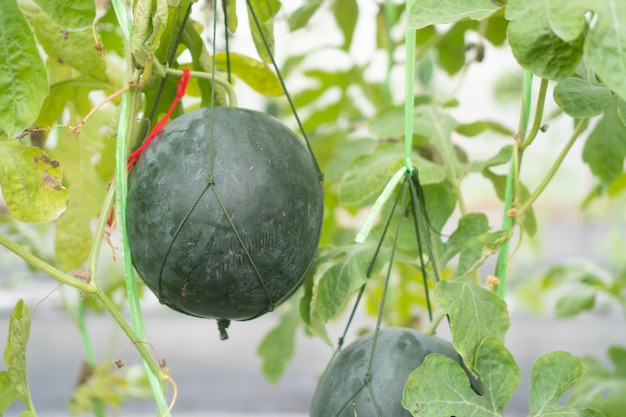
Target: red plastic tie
column 180, row 92
column 182, row 87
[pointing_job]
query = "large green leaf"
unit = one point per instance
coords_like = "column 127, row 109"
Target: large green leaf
column 440, row 387
column 431, row 12
column 582, row 98
column 475, row 314
column 366, row 177
column 602, row 387
column 551, row 375
column 23, row 76
column 278, row 345
column 264, row 11
column 254, row 73
column 605, row 49
column 605, row 148
column 70, row 14
column 346, row 272
column 73, row 49
column 432, row 122
column 534, row 44
column 31, row 183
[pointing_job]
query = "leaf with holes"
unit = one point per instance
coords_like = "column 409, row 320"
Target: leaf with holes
column 31, row 183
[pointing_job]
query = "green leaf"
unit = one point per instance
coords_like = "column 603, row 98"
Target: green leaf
column 231, row 12
column 346, row 273
column 433, row 123
column 431, row 12
column 254, row 73
column 301, row 16
column 73, row 235
column 478, row 249
column 72, row 14
column 346, row 13
column 582, row 98
column 8, row 394
column 535, row 46
column 31, row 183
column 605, row 148
column 476, row 128
column 72, row 49
column 23, row 76
column 502, row 157
column 277, row 347
column 366, row 177
column 475, row 314
column 15, row 351
column 551, row 375
column 440, row 387
column 470, row 225
column 605, row 49
column 602, row 387
column 576, row 301
column 264, row 11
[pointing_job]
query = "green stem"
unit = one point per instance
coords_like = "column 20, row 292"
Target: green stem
column 507, row 224
column 580, row 127
column 45, row 267
column 96, row 244
column 512, row 182
column 142, row 346
column 408, row 97
column 153, row 372
column 232, row 98
column 432, row 326
column 81, row 322
column 541, row 99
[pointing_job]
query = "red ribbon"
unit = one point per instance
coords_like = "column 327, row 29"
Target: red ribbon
column 182, row 87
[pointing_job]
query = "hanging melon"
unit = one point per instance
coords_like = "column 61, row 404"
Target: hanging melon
column 224, row 213
column 346, row 390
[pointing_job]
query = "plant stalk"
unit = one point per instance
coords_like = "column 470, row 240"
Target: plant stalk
column 580, row 127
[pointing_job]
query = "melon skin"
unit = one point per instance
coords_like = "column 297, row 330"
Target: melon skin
column 398, row 352
column 183, row 245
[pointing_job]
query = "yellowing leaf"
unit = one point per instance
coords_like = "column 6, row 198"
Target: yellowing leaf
column 23, row 77
column 31, row 183
column 254, row 73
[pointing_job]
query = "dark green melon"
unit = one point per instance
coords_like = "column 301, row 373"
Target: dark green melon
column 224, row 213
column 341, row 391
